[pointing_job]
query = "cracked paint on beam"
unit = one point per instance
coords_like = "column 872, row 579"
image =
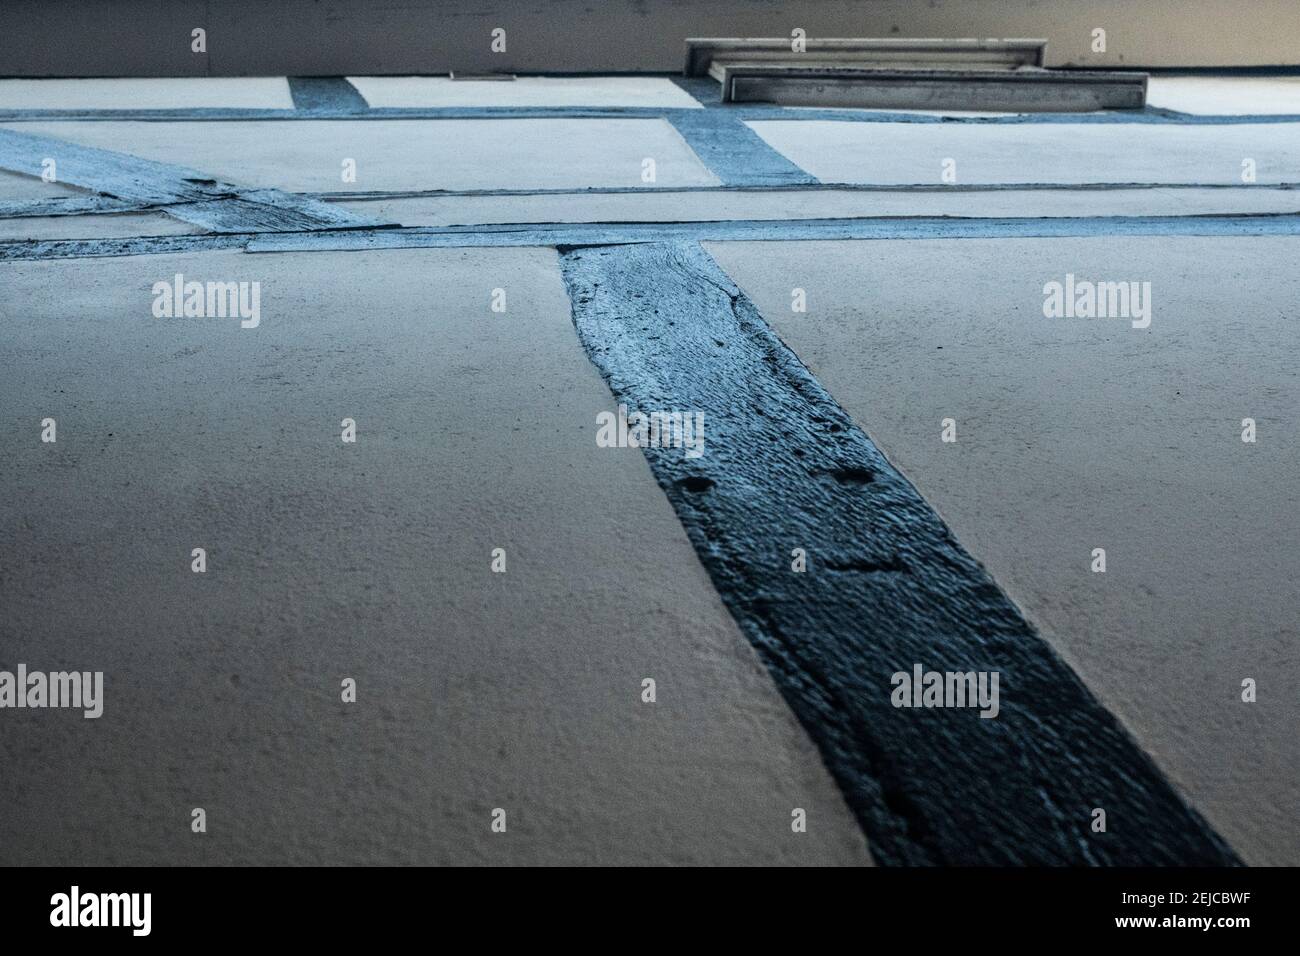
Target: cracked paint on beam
column 775, row 230
column 270, row 210
column 654, row 190
column 104, row 171
column 328, row 94
column 733, row 152
column 69, row 206
column 888, row 587
column 33, row 249
column 183, row 193
column 597, row 234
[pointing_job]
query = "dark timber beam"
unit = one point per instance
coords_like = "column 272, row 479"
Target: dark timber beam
column 1035, row 91
column 888, row 588
column 701, row 52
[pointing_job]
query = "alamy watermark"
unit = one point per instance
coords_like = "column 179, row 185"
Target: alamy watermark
column 1085, row 299
column 75, row 908
column 626, row 429
column 923, row 688
column 82, row 690
column 208, row 300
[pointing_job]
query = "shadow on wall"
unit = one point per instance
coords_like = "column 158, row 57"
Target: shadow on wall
column 361, row 37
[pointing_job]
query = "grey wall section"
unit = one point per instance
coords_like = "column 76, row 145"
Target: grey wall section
column 334, row 37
